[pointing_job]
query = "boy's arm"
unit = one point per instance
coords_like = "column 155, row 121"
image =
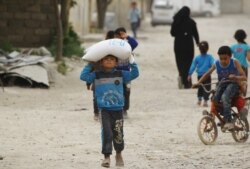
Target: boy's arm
column 131, row 75
column 205, row 76
column 87, row 75
column 193, row 66
column 241, row 76
column 212, row 60
column 248, row 55
column 132, row 42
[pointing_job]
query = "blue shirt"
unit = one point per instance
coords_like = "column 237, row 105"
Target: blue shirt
column 202, row 63
column 134, row 15
column 224, row 72
column 239, row 52
column 109, row 85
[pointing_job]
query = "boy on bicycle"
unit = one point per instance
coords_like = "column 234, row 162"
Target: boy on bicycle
column 230, row 69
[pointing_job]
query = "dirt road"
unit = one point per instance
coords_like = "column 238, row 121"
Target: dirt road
column 52, row 129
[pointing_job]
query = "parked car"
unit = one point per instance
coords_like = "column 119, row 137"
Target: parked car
column 208, row 8
column 162, row 12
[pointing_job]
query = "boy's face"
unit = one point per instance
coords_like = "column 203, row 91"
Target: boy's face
column 109, row 62
column 121, row 35
column 224, row 59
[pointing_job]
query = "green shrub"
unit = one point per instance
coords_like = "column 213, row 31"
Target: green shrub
column 62, row 67
column 71, row 45
column 7, row 47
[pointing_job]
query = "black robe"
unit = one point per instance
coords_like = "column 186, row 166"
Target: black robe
column 184, row 30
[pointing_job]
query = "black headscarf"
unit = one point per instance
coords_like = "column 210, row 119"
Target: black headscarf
column 182, row 15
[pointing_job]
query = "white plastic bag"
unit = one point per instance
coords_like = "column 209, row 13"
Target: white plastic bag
column 116, row 47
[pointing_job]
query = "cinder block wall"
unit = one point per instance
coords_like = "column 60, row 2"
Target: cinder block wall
column 27, row 23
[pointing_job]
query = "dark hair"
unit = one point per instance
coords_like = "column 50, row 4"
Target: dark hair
column 240, row 35
column 110, row 34
column 203, row 46
column 224, row 50
column 120, row 29
column 116, row 58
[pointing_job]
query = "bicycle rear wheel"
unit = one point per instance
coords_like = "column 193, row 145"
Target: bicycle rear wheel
column 241, row 130
column 207, row 130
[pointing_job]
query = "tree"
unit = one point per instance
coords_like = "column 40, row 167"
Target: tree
column 67, row 41
column 65, row 6
column 59, row 32
column 101, row 11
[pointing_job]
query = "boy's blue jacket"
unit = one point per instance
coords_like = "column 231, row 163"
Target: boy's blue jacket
column 202, row 63
column 109, row 85
column 132, row 42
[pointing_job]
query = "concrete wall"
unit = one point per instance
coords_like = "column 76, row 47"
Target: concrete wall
column 231, row 6
column 80, row 16
column 246, row 7
column 28, row 23
column 121, row 9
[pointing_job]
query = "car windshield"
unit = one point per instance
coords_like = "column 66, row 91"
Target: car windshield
column 163, row 4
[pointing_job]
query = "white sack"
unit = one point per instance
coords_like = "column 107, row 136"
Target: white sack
column 116, row 47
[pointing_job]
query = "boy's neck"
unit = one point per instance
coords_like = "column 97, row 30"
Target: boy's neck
column 107, row 69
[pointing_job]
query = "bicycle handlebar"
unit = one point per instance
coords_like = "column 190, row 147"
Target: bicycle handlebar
column 212, row 90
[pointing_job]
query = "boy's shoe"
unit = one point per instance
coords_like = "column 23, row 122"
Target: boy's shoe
column 96, row 117
column 106, row 162
column 125, row 114
column 205, row 104
column 119, row 160
column 228, row 126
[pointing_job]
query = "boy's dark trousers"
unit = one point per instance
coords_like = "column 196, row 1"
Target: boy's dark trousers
column 112, row 131
column 96, row 110
column 224, row 93
column 126, row 91
column 201, row 92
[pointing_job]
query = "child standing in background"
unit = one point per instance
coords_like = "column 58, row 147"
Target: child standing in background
column 202, row 63
column 241, row 49
column 124, row 65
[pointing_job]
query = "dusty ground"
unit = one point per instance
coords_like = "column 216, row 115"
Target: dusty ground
column 52, row 129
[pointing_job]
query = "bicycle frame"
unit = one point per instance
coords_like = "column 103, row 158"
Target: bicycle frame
column 215, row 109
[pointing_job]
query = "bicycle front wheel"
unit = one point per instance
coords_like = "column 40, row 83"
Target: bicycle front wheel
column 207, row 130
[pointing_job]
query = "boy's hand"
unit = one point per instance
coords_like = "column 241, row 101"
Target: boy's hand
column 195, row 85
column 131, row 59
column 232, row 77
column 88, row 86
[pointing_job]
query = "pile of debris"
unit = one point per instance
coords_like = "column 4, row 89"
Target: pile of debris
column 28, row 68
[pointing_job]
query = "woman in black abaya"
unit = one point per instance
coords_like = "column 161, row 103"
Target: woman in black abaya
column 184, row 29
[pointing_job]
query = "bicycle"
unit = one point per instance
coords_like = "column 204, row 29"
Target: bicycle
column 207, row 127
